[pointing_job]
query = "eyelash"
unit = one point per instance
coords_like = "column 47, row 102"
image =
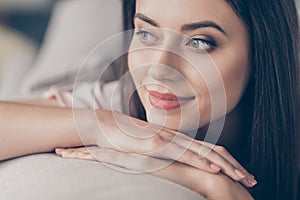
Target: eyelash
column 192, row 42
column 143, row 38
column 211, row 44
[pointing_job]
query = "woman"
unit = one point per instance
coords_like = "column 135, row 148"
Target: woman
column 273, row 124
column 245, row 39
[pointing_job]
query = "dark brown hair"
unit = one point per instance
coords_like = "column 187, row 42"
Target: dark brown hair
column 274, row 38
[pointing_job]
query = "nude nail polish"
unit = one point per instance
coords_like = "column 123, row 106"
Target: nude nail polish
column 66, row 152
column 83, row 153
column 251, row 181
column 58, row 150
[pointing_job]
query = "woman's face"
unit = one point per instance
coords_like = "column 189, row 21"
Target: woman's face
column 179, row 52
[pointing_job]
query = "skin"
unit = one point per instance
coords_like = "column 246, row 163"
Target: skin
column 217, row 170
column 161, row 28
column 42, row 120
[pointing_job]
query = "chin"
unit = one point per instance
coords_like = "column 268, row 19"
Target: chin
column 173, row 121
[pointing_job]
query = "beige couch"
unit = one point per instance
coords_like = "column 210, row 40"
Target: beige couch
column 50, row 177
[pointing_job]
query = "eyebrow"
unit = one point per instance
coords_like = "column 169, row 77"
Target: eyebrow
column 203, row 24
column 186, row 27
column 146, row 19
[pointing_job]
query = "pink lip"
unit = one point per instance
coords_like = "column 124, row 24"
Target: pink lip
column 166, row 101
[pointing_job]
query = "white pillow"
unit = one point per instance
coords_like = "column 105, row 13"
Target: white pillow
column 76, row 27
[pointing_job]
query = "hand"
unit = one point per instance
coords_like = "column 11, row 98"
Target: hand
column 118, row 132
column 197, row 180
column 168, row 144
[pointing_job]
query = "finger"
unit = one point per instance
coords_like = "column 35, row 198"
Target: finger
column 79, row 153
column 61, row 151
column 141, row 163
column 206, row 159
column 168, row 147
column 162, row 147
column 58, row 151
column 195, row 145
column 195, row 154
column 249, row 179
column 222, row 151
column 193, row 159
column 220, row 158
column 229, row 165
column 180, row 143
column 65, row 151
column 177, row 153
column 135, row 162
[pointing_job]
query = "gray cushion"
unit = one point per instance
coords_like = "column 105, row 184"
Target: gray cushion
column 50, row 177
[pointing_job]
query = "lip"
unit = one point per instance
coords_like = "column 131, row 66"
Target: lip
column 167, row 101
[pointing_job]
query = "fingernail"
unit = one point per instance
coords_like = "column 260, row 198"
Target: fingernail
column 239, row 173
column 83, row 153
column 58, row 150
column 215, row 167
column 66, row 152
column 251, row 181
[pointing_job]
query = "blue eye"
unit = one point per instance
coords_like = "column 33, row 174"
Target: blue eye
column 201, row 44
column 147, row 37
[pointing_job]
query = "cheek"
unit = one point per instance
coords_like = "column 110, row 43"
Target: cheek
column 234, row 72
column 135, row 67
column 235, row 77
column 203, row 96
column 138, row 71
column 138, row 60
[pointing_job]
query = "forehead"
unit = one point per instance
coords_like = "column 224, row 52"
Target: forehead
column 175, row 13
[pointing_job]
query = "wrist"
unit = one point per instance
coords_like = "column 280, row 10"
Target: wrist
column 86, row 126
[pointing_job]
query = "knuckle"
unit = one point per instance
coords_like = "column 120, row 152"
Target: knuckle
column 204, row 162
column 204, row 151
column 145, row 163
column 228, row 168
column 221, row 149
column 166, row 135
column 187, row 157
column 155, row 143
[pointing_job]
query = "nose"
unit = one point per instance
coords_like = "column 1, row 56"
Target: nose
column 164, row 67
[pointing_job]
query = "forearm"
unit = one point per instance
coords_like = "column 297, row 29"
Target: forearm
column 27, row 129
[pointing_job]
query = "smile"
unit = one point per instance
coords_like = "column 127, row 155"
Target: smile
column 167, row 101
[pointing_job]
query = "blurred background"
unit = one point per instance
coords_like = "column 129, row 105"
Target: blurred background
column 29, row 18
column 42, row 42
column 22, row 28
